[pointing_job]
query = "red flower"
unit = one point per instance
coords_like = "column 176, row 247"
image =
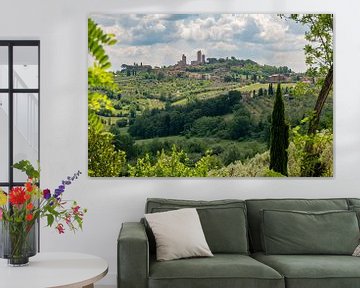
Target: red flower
column 68, row 219
column 75, row 209
column 60, row 228
column 27, row 196
column 29, row 217
column 17, row 196
column 29, row 206
column 29, row 186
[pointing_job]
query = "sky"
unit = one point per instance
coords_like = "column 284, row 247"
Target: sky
column 161, row 39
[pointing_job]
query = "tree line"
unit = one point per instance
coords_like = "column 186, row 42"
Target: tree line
column 176, row 119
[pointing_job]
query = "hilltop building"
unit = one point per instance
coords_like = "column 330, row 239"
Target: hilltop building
column 136, row 67
column 182, row 62
column 276, row 78
column 199, row 56
column 200, row 59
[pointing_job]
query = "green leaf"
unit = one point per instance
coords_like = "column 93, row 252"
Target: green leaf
column 50, row 219
column 106, row 65
column 26, row 167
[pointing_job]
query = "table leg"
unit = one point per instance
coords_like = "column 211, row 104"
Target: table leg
column 89, row 286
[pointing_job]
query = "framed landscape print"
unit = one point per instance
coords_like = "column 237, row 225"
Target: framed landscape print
column 210, row 95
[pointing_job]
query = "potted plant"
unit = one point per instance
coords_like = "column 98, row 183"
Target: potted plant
column 21, row 208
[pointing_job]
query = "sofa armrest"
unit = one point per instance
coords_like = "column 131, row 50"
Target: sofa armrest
column 133, row 256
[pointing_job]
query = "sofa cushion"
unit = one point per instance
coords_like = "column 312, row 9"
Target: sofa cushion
column 222, row 270
column 254, row 217
column 313, row 271
column 297, row 232
column 353, row 201
column 223, row 221
column 178, row 234
column 356, row 209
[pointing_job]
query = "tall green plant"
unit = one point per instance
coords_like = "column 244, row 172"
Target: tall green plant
column 279, row 138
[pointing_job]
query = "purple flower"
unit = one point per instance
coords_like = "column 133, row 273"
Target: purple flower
column 58, row 192
column 68, row 181
column 46, row 194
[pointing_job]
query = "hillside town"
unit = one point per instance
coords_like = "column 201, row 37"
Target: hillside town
column 217, row 69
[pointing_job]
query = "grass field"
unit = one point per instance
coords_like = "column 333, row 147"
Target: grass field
column 257, row 86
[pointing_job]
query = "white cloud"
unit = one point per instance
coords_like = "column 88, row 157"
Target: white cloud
column 161, row 39
column 272, row 28
column 224, row 46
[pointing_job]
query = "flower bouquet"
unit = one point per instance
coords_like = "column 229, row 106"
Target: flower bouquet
column 21, row 208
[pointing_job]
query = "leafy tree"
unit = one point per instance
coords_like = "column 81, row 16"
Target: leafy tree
column 207, row 126
column 228, row 78
column 123, row 142
column 231, row 154
column 279, row 138
column 132, row 115
column 122, row 122
column 319, row 58
column 176, row 164
column 104, row 160
column 254, row 167
column 323, row 147
column 303, row 89
column 261, row 92
column 241, row 124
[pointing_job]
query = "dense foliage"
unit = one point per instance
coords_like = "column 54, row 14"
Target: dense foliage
column 176, row 120
column 175, row 164
column 104, row 160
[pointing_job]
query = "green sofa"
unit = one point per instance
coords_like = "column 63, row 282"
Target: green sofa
column 234, row 232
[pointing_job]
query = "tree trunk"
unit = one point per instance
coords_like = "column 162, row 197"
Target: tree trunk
column 324, row 92
column 311, row 166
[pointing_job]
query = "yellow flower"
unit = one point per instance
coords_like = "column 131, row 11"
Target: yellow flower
column 3, row 198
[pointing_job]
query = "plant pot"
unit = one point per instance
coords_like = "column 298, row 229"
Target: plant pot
column 18, row 242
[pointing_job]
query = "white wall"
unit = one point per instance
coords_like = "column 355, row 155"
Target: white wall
column 62, row 28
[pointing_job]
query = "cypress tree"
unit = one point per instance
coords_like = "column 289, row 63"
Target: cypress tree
column 279, row 138
column 271, row 90
column 260, row 92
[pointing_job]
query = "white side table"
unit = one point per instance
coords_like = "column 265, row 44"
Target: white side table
column 50, row 270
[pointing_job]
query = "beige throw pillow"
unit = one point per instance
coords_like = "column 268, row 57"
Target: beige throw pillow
column 357, row 251
column 178, row 234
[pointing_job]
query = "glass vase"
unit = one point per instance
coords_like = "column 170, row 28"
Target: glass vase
column 18, row 242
